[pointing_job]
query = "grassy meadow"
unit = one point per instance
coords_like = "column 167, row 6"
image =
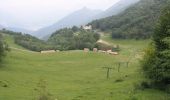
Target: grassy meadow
column 76, row 75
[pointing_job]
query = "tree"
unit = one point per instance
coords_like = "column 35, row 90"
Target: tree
column 75, row 28
column 157, row 59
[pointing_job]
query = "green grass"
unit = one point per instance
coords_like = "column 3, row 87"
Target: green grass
column 75, row 75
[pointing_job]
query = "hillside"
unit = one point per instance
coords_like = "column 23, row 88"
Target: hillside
column 69, row 77
column 27, row 41
column 73, row 39
column 137, row 21
column 117, row 8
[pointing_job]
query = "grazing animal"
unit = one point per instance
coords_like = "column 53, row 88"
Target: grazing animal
column 95, row 49
column 86, row 50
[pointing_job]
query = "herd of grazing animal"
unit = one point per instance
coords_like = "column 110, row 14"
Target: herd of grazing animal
column 85, row 50
column 101, row 51
column 107, row 51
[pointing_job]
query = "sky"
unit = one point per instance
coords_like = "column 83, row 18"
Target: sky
column 35, row 14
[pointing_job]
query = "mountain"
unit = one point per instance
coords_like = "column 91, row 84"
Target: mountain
column 17, row 29
column 77, row 18
column 137, row 21
column 84, row 16
column 117, row 8
column 14, row 29
column 1, row 27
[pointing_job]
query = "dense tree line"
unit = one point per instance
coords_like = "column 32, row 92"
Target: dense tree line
column 64, row 39
column 135, row 22
column 156, row 63
column 73, row 38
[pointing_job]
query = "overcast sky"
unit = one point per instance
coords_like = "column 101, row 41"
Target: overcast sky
column 34, row 14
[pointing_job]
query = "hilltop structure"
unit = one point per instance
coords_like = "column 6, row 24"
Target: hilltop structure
column 87, row 27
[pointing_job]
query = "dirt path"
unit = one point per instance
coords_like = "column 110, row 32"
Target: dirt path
column 104, row 42
column 101, row 40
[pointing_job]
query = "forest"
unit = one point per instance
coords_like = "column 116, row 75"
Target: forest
column 136, row 22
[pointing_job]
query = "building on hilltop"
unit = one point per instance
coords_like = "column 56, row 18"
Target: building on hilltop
column 87, row 27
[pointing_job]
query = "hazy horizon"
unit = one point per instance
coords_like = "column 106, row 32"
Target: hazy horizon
column 35, row 14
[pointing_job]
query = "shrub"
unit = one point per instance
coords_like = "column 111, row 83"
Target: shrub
column 3, row 47
column 42, row 91
column 3, row 84
column 119, row 80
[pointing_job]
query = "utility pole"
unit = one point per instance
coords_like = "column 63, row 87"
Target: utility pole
column 108, row 71
column 119, row 64
column 122, row 63
column 127, row 64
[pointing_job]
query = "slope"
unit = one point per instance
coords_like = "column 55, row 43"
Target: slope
column 74, row 75
column 117, row 8
column 137, row 21
column 10, row 41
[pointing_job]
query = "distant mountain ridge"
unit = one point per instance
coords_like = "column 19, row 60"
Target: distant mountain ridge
column 14, row 29
column 77, row 18
column 84, row 16
column 1, row 27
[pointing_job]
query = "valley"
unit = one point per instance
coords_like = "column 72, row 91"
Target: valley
column 75, row 75
column 94, row 50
